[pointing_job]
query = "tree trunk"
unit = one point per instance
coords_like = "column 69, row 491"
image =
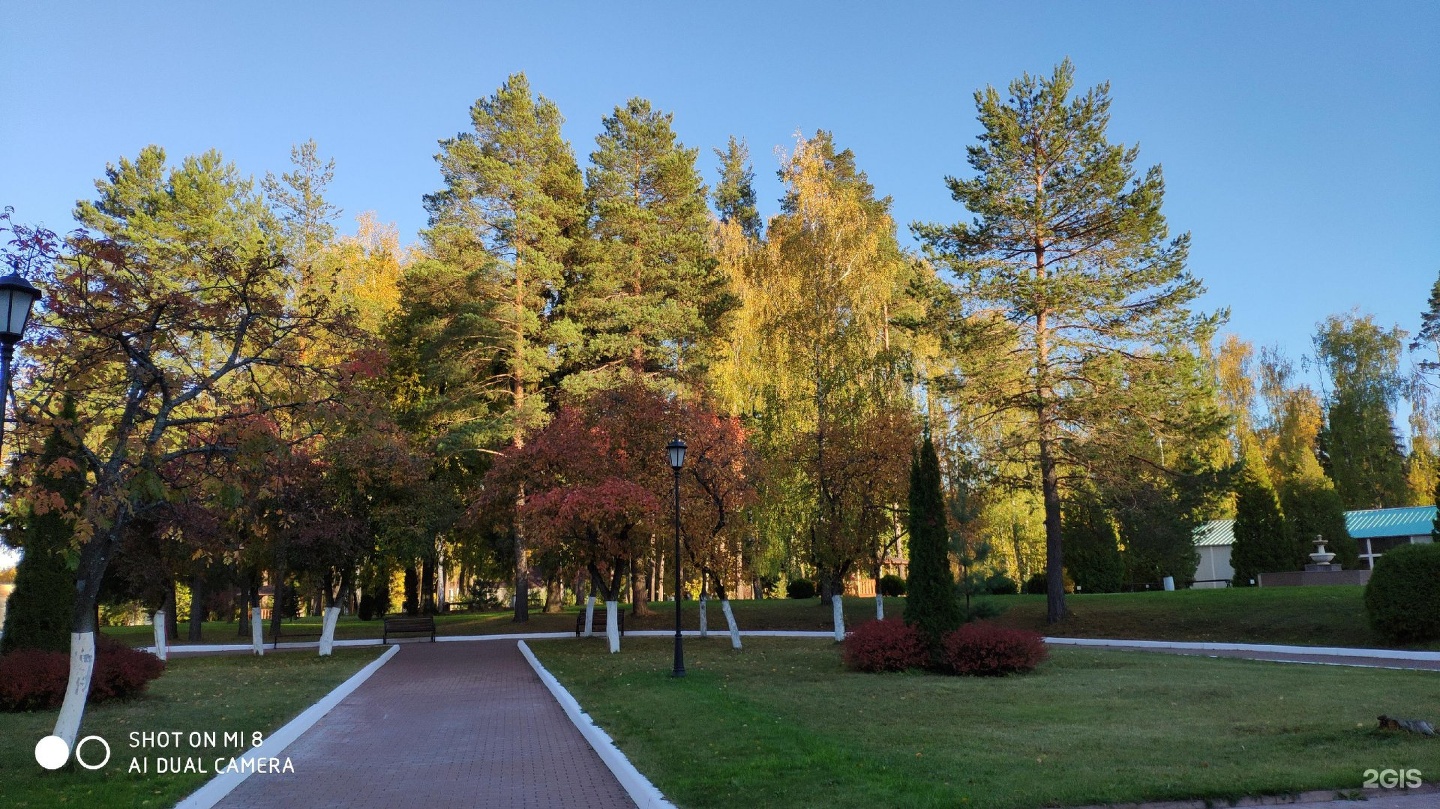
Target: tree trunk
column 197, row 606
column 730, row 621
column 704, row 615
column 554, row 595
column 837, row 612
column 172, row 621
column 411, row 604
column 94, row 558
column 522, row 566
column 612, row 626
column 427, row 586
column 1054, row 551
column 640, row 595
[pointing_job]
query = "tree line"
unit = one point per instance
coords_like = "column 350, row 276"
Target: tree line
column 247, row 397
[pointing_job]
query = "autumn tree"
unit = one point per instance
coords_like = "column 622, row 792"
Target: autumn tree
column 1359, row 445
column 1071, row 245
column 171, row 314
column 505, row 225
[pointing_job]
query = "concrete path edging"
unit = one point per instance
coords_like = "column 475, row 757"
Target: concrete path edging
column 644, row 793
column 223, row 784
column 1327, row 651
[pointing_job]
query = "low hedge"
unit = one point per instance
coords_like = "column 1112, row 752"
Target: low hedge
column 34, row 680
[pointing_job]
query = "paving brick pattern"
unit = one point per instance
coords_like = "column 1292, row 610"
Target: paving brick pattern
column 441, row 725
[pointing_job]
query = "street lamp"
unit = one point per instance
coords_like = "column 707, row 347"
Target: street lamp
column 677, row 460
column 17, row 296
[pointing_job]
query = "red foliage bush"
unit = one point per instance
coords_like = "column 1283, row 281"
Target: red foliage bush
column 984, row 649
column 32, row 680
column 887, row 645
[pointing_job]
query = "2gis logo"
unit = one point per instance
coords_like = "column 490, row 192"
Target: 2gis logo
column 1391, row 779
column 52, row 752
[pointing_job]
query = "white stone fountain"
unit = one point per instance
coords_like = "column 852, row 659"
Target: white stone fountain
column 1321, row 559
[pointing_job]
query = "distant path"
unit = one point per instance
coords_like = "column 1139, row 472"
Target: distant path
column 441, row 725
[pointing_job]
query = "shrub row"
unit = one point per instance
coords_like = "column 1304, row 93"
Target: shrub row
column 978, row 649
column 32, row 680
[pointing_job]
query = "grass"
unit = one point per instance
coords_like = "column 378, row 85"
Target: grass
column 215, row 693
column 1315, row 616
column 782, row 724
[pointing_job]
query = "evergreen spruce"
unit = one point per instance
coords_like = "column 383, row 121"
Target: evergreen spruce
column 38, row 615
column 1092, row 545
column 930, row 604
column 1312, row 507
column 1262, row 542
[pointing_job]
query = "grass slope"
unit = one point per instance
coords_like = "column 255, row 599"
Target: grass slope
column 220, row 693
column 782, row 724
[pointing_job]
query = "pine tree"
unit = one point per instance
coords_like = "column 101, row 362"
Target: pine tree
column 38, row 615
column 930, row 603
column 1071, row 246
column 735, row 193
column 506, row 225
column 649, row 294
column 1092, row 545
column 1263, row 543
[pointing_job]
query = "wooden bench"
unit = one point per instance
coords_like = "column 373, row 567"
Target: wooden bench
column 406, row 625
column 289, row 631
column 600, row 622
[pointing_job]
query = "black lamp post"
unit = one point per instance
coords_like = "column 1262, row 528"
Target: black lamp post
column 677, row 460
column 17, row 296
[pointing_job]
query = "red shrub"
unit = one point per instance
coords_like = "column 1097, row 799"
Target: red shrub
column 32, row 680
column 887, row 645
column 984, row 649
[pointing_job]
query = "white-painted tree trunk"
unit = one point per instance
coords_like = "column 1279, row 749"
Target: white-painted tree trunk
column 327, row 634
column 589, row 616
column 161, row 650
column 257, row 632
column 612, row 625
column 730, row 621
column 879, row 605
column 704, row 617
column 82, row 665
column 838, row 611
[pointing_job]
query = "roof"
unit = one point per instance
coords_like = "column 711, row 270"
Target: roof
column 1368, row 524
column 1215, row 533
column 1390, row 522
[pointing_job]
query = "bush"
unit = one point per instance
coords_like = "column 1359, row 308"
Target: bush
column 32, row 680
column 981, row 609
column 800, row 588
column 1039, row 584
column 892, row 585
column 887, row 645
column 366, row 609
column 1403, row 596
column 998, row 584
column 986, row 650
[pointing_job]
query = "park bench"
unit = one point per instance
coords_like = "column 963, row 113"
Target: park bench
column 599, row 622
column 292, row 631
column 406, row 625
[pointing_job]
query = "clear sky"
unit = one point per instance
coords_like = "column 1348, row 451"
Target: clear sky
column 1299, row 139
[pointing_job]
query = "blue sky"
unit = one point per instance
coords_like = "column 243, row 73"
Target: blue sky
column 1299, row 139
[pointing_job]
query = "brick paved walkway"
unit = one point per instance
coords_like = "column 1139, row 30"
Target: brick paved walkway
column 441, row 725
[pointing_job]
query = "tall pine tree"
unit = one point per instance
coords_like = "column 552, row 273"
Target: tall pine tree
column 1070, row 244
column 649, row 294
column 1263, row 543
column 507, row 223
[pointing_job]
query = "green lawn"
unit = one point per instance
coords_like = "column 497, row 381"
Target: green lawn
column 782, row 724
column 236, row 693
column 1327, row 616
